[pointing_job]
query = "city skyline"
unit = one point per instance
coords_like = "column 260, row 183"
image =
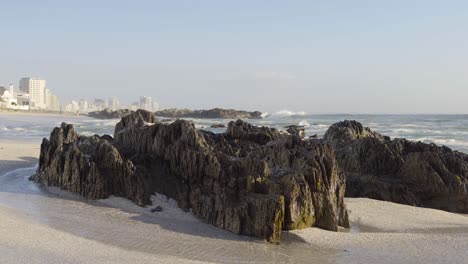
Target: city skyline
column 32, row 93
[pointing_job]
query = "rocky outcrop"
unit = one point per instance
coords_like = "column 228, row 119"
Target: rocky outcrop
column 296, row 130
column 109, row 114
column 249, row 180
column 218, row 126
column 214, row 113
column 399, row 170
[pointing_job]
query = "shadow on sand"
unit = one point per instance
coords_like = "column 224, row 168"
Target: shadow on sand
column 23, row 162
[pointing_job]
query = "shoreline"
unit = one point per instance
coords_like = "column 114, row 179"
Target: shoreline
column 36, row 113
column 381, row 232
column 17, row 154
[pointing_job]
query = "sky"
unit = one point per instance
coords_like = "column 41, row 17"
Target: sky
column 314, row 56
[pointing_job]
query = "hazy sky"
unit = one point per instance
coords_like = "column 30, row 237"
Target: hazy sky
column 315, row 56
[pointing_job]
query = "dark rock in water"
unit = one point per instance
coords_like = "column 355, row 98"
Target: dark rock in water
column 218, row 126
column 157, row 209
column 399, row 170
column 249, row 180
column 295, row 130
column 314, row 136
column 212, row 113
column 109, row 114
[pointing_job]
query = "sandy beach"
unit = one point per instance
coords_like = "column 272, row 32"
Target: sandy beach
column 18, row 154
column 34, row 113
column 24, row 240
column 41, row 227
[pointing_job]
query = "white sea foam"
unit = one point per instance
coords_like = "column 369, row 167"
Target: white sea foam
column 285, row 113
column 304, row 123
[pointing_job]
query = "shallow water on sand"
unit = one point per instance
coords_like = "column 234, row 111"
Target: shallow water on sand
column 171, row 232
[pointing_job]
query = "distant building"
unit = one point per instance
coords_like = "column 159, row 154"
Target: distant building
column 73, row 107
column 113, row 104
column 155, row 106
column 83, row 104
column 134, row 106
column 55, row 103
column 22, row 99
column 100, row 104
column 146, row 103
column 47, row 97
column 9, row 99
column 36, row 88
column 11, row 89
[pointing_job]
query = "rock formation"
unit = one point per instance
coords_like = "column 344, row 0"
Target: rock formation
column 296, row 130
column 214, row 113
column 218, row 126
column 399, row 170
column 249, row 180
column 109, row 114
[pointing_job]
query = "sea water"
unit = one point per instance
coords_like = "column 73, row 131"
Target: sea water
column 448, row 130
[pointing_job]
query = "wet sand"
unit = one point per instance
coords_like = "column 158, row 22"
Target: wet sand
column 18, row 154
column 43, row 225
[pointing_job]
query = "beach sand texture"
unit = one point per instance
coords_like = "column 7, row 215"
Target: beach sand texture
column 39, row 225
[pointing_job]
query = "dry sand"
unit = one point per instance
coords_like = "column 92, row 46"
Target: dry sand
column 385, row 232
column 382, row 232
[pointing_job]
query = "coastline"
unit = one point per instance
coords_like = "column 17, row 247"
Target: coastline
column 25, row 240
column 35, row 113
column 381, row 232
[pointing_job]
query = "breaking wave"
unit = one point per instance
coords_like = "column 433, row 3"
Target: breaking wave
column 285, row 113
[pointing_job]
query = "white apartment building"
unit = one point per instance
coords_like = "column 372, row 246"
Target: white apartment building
column 83, row 104
column 146, row 103
column 51, row 100
column 73, row 106
column 36, row 88
column 155, row 106
column 11, row 100
column 113, row 104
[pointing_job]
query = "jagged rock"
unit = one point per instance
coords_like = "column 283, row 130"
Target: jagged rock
column 399, row 170
column 218, row 126
column 249, row 180
column 109, row 114
column 296, row 130
column 214, row 113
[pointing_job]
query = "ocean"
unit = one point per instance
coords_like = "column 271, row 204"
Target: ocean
column 448, row 130
column 118, row 223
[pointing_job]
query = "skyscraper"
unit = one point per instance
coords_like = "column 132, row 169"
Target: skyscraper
column 36, row 89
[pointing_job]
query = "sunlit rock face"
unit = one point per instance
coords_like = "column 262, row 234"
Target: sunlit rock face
column 400, row 170
column 249, row 180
